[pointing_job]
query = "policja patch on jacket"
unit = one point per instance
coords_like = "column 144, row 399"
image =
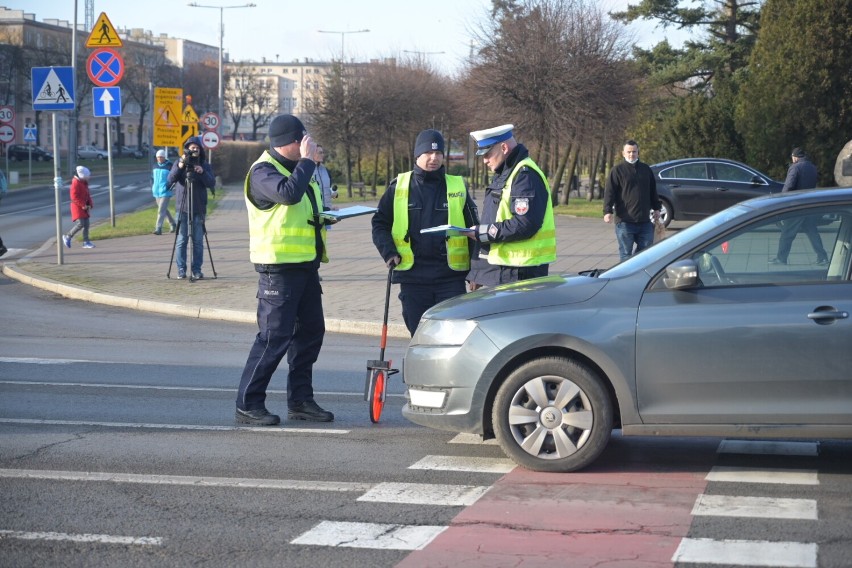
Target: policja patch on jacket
column 521, row 205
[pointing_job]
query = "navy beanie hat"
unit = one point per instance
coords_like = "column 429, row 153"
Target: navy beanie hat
column 285, row 129
column 428, row 141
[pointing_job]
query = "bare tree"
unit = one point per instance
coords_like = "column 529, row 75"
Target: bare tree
column 146, row 69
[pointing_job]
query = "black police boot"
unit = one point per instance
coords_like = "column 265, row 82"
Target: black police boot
column 259, row 417
column 309, row 410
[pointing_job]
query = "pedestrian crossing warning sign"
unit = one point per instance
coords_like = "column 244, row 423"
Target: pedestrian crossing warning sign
column 103, row 34
column 53, row 88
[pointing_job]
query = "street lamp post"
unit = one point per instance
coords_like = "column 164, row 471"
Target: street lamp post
column 221, row 40
column 342, row 35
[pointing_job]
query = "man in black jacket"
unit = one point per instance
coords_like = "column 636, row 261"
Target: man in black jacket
column 629, row 198
column 802, row 174
column 429, row 267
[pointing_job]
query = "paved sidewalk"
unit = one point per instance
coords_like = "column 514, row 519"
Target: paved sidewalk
column 131, row 272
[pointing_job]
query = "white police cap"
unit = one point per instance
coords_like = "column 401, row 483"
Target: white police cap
column 487, row 138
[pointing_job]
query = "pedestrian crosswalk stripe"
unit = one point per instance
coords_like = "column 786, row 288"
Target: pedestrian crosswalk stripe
column 369, row 535
column 97, row 538
column 474, row 439
column 764, row 447
column 755, row 507
column 469, row 464
column 424, row 494
column 747, row 553
column 752, row 475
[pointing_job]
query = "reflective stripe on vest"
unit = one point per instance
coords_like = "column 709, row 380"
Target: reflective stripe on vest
column 282, row 234
column 458, row 257
column 538, row 249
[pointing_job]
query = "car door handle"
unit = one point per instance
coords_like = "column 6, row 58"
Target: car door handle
column 721, row 189
column 823, row 317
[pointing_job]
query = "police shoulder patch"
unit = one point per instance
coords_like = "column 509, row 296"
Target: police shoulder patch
column 521, row 205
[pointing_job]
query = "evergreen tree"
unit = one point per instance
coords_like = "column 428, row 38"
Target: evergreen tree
column 798, row 91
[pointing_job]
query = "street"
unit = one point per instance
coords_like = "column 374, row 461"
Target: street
column 28, row 216
column 119, row 448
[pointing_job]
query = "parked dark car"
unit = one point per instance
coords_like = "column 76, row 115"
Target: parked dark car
column 698, row 335
column 695, row 188
column 133, row 152
column 21, row 152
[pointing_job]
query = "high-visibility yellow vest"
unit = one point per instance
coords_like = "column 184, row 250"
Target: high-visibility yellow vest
column 283, row 234
column 538, row 249
column 458, row 257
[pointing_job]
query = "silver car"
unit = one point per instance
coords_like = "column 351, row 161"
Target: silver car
column 699, row 335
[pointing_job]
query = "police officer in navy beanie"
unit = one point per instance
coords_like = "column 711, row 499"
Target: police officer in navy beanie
column 286, row 245
column 429, row 267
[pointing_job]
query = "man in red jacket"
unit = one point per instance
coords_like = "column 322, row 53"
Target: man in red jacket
column 81, row 204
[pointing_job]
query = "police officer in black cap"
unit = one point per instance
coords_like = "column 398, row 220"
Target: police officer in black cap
column 286, row 244
column 517, row 235
column 429, row 267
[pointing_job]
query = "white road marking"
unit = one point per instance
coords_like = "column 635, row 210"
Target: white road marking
column 459, row 463
column 370, row 535
column 424, row 494
column 144, row 387
column 474, row 439
column 198, row 481
column 755, row 507
column 752, row 475
column 268, row 429
column 96, row 538
column 747, row 553
column 768, row 448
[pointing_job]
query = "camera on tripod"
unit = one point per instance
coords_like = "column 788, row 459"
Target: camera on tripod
column 192, row 158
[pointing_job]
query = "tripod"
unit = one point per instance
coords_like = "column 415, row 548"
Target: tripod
column 189, row 188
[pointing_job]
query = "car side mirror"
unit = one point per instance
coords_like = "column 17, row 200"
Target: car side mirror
column 756, row 180
column 681, row 275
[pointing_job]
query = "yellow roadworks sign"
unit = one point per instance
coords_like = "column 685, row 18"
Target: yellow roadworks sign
column 103, row 34
column 167, row 116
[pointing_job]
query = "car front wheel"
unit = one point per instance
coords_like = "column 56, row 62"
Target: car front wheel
column 552, row 415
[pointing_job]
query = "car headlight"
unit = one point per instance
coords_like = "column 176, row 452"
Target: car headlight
column 443, row 332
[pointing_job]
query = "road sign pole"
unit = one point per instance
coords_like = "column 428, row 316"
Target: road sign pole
column 109, row 167
column 57, row 186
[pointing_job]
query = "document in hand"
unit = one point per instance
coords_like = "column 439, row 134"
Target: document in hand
column 446, row 229
column 347, row 212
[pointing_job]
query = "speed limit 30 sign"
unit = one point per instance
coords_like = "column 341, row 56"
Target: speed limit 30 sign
column 7, row 114
column 210, row 121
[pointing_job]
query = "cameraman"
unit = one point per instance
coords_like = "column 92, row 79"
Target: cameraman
column 192, row 171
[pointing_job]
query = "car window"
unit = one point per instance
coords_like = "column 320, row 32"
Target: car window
column 730, row 172
column 750, row 255
column 696, row 170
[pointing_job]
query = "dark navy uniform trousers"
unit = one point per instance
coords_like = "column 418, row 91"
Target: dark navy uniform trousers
column 290, row 321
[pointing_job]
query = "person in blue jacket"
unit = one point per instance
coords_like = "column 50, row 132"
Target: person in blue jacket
column 162, row 193
column 191, row 177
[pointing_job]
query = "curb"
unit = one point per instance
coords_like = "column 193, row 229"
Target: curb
column 183, row 310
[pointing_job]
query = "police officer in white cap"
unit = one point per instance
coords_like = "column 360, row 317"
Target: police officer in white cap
column 516, row 237
column 429, row 267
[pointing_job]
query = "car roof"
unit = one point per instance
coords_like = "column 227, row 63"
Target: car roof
column 678, row 161
column 803, row 196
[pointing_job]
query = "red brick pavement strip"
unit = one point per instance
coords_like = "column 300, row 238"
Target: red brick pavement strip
column 629, row 510
column 131, row 272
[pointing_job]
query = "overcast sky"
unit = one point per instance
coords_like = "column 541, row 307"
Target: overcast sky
column 282, row 30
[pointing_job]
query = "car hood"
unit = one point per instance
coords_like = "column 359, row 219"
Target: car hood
column 527, row 294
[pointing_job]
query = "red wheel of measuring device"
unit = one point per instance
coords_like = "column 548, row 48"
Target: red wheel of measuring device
column 377, row 397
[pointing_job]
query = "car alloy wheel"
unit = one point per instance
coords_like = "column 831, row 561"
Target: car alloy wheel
column 553, row 415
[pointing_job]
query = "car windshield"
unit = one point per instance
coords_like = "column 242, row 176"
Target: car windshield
column 669, row 244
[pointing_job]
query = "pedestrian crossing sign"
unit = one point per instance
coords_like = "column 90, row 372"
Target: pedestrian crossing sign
column 103, row 34
column 53, row 88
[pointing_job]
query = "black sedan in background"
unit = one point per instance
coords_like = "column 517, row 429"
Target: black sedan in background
column 695, row 188
column 22, row 152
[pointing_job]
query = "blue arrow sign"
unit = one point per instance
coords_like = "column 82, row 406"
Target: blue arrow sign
column 53, row 88
column 106, row 101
